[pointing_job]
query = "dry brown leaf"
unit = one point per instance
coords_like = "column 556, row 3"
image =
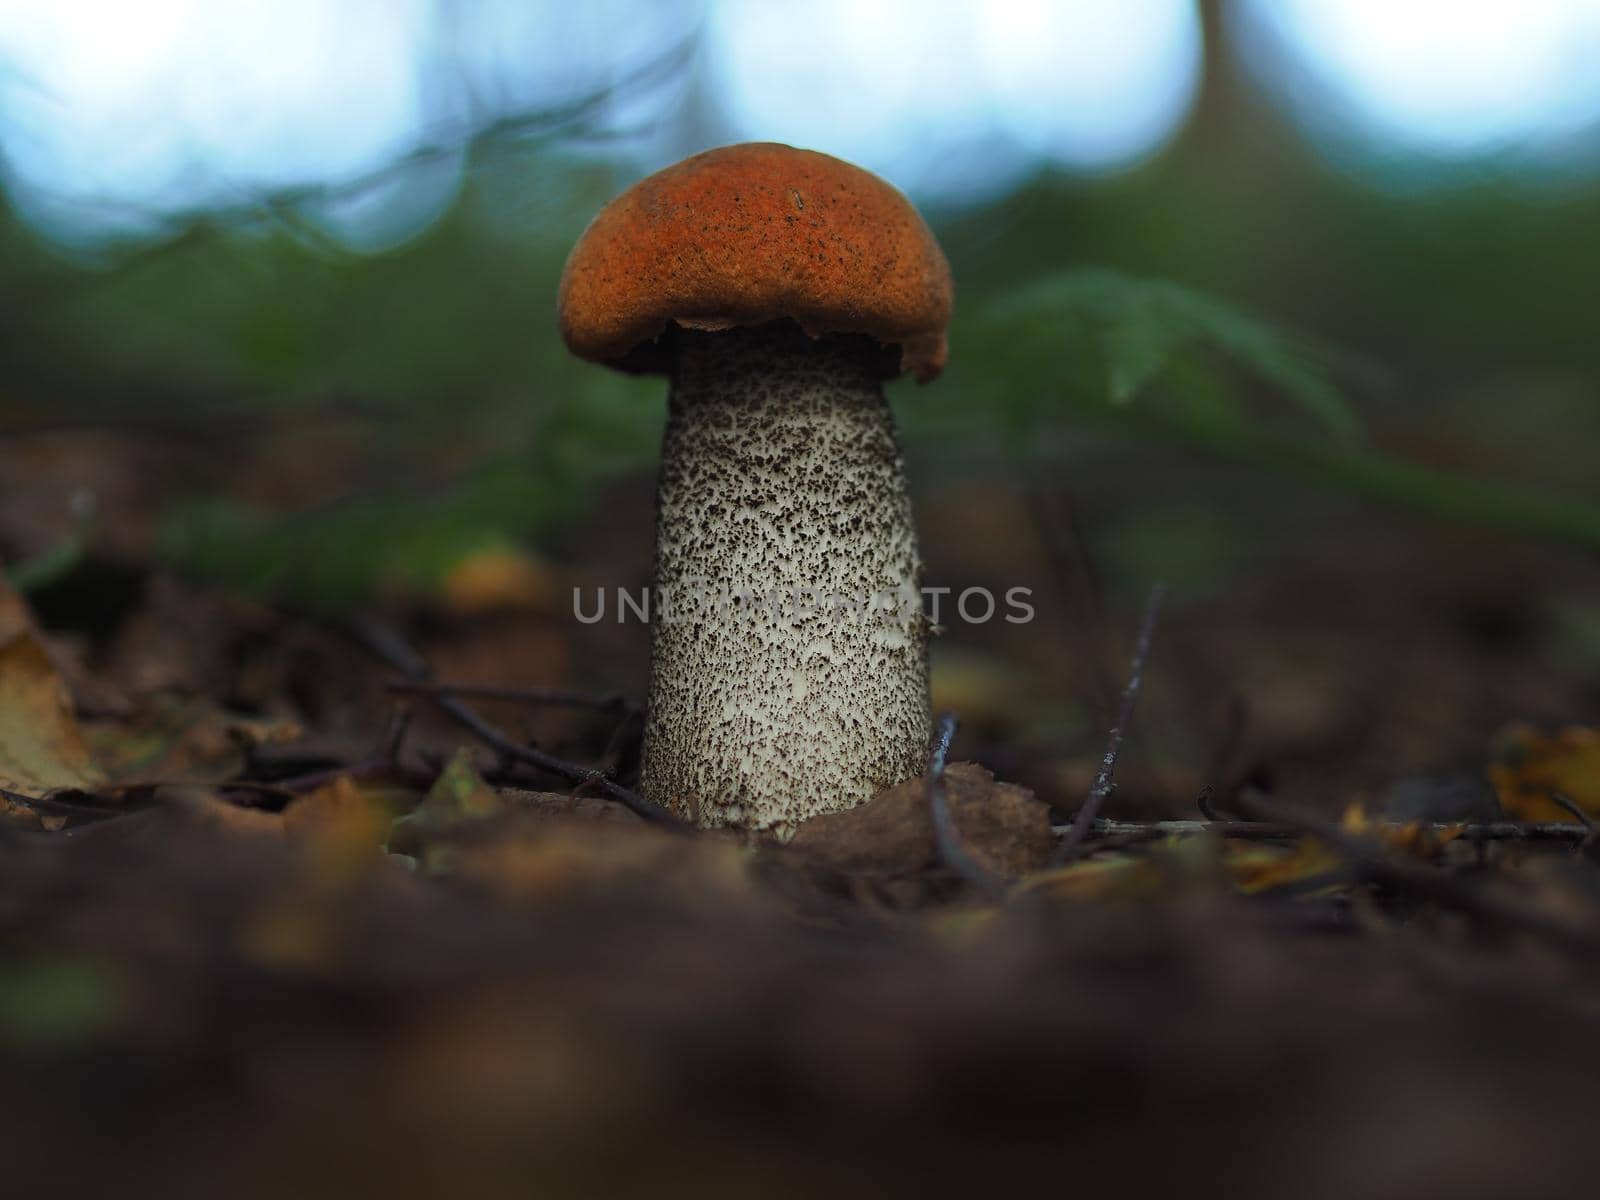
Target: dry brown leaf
column 347, row 814
column 21, row 815
column 42, row 748
column 557, row 805
column 339, row 830
column 543, row 860
column 1003, row 825
column 173, row 739
column 211, row 812
column 15, row 616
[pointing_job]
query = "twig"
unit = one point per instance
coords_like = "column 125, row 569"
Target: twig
column 376, row 766
column 1374, row 864
column 1563, row 802
column 80, row 814
column 945, row 836
column 392, row 649
column 48, row 801
column 1132, row 832
column 1585, row 848
column 1103, row 779
column 553, row 697
column 395, row 736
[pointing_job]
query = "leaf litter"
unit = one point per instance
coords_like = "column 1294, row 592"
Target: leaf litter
column 374, row 951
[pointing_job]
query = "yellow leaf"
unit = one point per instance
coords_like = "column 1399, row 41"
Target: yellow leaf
column 497, row 579
column 1104, row 877
column 1413, row 837
column 1260, row 868
column 344, row 825
column 1530, row 767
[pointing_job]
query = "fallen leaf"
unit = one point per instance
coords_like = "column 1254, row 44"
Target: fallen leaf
column 1258, row 867
column 1409, row 837
column 1102, row 877
column 1142, row 874
column 42, row 749
column 348, row 812
column 1530, row 767
column 543, row 860
column 495, row 579
column 23, row 816
column 1004, row 826
column 564, row 804
column 460, row 790
column 176, row 739
column 211, row 812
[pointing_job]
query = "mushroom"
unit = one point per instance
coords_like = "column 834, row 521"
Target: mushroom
column 776, row 288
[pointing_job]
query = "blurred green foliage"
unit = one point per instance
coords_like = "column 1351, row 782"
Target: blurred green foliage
column 1099, row 338
column 56, row 1002
column 1088, row 342
column 477, row 428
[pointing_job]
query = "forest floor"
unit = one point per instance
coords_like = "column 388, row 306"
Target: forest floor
column 286, row 907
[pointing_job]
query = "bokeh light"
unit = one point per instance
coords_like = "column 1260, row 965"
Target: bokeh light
column 1447, row 78
column 179, row 103
column 959, row 100
column 1092, row 85
column 115, row 113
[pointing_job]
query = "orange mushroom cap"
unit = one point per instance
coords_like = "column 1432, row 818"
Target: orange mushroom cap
column 753, row 233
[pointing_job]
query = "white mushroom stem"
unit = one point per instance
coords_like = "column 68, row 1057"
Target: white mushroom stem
column 789, row 665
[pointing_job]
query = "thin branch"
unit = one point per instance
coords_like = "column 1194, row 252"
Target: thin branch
column 395, row 736
column 1373, row 863
column 1104, row 778
column 392, row 649
column 377, row 766
column 1562, row 802
column 945, row 836
column 79, row 814
column 1133, row 832
column 551, row 697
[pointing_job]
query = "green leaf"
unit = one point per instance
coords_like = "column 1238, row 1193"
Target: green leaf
column 1109, row 336
column 1099, row 340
